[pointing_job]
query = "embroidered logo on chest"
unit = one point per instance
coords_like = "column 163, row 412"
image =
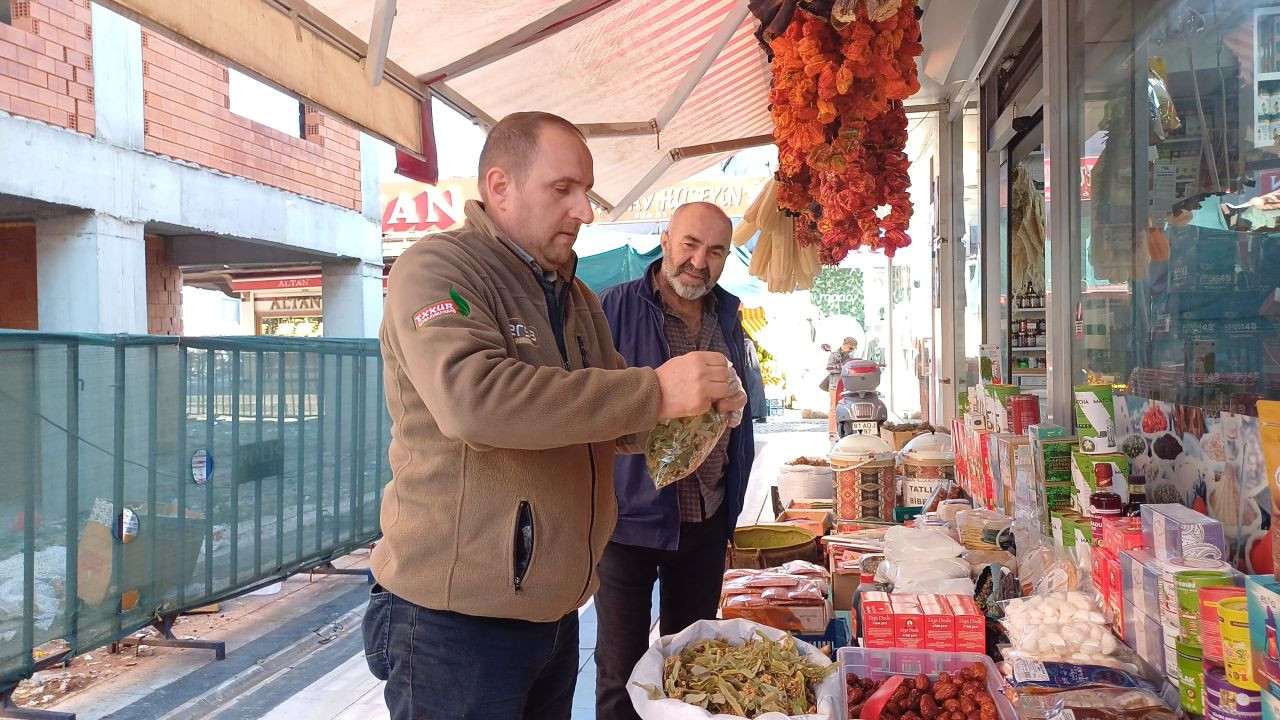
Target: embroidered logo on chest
column 520, row 332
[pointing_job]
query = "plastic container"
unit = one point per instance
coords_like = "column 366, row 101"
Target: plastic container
column 1191, row 672
column 1188, row 583
column 948, row 509
column 1237, row 651
column 878, row 664
column 1211, row 632
column 924, row 464
column 1224, row 701
column 1169, row 587
column 864, row 478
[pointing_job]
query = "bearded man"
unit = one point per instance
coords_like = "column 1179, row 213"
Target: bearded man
column 677, row 535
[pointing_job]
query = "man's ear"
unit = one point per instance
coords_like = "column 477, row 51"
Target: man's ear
column 497, row 182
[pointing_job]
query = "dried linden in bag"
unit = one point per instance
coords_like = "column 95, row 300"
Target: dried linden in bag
column 676, row 448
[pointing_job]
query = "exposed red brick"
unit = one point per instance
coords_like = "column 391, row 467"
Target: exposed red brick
column 19, row 306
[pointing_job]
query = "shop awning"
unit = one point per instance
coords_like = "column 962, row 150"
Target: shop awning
column 753, row 321
column 662, row 89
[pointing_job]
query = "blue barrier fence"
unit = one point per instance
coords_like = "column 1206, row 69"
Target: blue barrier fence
column 143, row 476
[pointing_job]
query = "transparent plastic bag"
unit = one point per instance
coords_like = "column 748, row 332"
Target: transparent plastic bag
column 676, row 448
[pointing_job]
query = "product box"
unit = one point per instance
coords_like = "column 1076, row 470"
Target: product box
column 898, row 439
column 1269, row 428
column 1145, row 635
column 1122, row 533
column 1115, row 582
column 1014, row 455
column 1270, row 706
column 1095, row 418
column 1046, row 431
column 1171, row 530
column 877, row 620
column 1263, row 593
column 1058, row 496
column 994, row 405
column 1098, row 572
column 908, row 622
column 1052, row 459
column 1140, row 577
column 1084, row 476
column 939, row 624
column 812, row 619
column 970, row 624
column 819, row 522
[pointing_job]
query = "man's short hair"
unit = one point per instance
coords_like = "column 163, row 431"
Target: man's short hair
column 513, row 142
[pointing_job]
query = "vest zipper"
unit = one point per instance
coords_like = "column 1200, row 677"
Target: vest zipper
column 523, row 549
column 591, row 527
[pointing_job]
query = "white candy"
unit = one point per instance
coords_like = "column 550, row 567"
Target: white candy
column 1091, row 647
column 1055, row 640
column 1097, row 618
column 1079, row 658
column 1097, row 632
column 1081, row 613
column 1074, row 634
column 1079, row 599
column 1108, row 643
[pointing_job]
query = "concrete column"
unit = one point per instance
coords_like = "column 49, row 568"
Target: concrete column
column 371, row 178
column 352, row 298
column 91, row 274
column 117, row 78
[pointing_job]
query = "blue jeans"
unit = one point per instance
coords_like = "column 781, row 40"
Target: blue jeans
column 446, row 666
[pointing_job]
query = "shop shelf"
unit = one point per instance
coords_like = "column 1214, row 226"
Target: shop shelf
column 876, row 664
column 1030, row 349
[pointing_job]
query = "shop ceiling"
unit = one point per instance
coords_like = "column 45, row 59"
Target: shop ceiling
column 661, row 88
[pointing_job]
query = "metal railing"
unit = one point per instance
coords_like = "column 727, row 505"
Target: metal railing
column 143, row 476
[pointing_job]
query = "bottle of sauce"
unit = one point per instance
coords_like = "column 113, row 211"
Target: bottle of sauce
column 1137, row 495
column 1103, row 503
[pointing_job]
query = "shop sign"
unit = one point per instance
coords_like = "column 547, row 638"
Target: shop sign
column 418, row 208
column 732, row 196
column 297, row 305
column 259, row 461
column 1269, row 181
column 297, row 282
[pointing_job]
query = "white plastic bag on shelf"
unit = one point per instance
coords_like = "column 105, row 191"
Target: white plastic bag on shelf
column 649, row 671
column 907, row 544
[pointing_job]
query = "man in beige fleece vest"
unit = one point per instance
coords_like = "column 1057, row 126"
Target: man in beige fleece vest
column 508, row 403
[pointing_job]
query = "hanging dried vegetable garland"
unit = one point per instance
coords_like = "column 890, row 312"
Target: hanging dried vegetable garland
column 841, row 128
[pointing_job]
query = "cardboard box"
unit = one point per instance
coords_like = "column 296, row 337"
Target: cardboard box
column 1114, row 596
column 819, row 522
column 1140, row 578
column 908, row 622
column 1046, row 431
column 939, row 624
column 1263, row 596
column 1122, row 533
column 844, row 580
column 898, row 439
column 812, row 619
column 1084, row 476
column 1145, row 635
column 1053, row 460
column 1171, row 531
column 1014, row 455
column 877, row 621
column 970, row 624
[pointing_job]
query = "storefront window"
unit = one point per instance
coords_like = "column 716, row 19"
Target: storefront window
column 1180, row 204
column 970, row 281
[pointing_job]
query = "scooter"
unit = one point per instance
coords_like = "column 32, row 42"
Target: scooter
column 861, row 408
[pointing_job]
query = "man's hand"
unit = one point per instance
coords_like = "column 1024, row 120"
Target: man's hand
column 734, row 404
column 690, row 383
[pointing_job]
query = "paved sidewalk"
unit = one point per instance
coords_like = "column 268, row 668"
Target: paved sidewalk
column 288, row 672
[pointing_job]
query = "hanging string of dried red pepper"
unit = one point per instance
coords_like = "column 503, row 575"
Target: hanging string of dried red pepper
column 841, row 129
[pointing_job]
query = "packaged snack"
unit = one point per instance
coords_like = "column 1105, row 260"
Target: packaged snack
column 1032, row 677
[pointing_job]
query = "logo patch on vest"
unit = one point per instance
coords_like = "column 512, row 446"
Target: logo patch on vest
column 520, row 332
column 455, row 305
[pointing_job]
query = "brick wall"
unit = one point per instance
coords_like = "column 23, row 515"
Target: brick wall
column 164, row 290
column 46, row 68
column 19, row 308
column 188, row 117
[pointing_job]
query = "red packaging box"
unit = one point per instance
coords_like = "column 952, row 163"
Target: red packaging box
column 1122, row 533
column 908, row 623
column 877, row 620
column 939, row 624
column 970, row 624
column 1115, row 583
column 1098, row 571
